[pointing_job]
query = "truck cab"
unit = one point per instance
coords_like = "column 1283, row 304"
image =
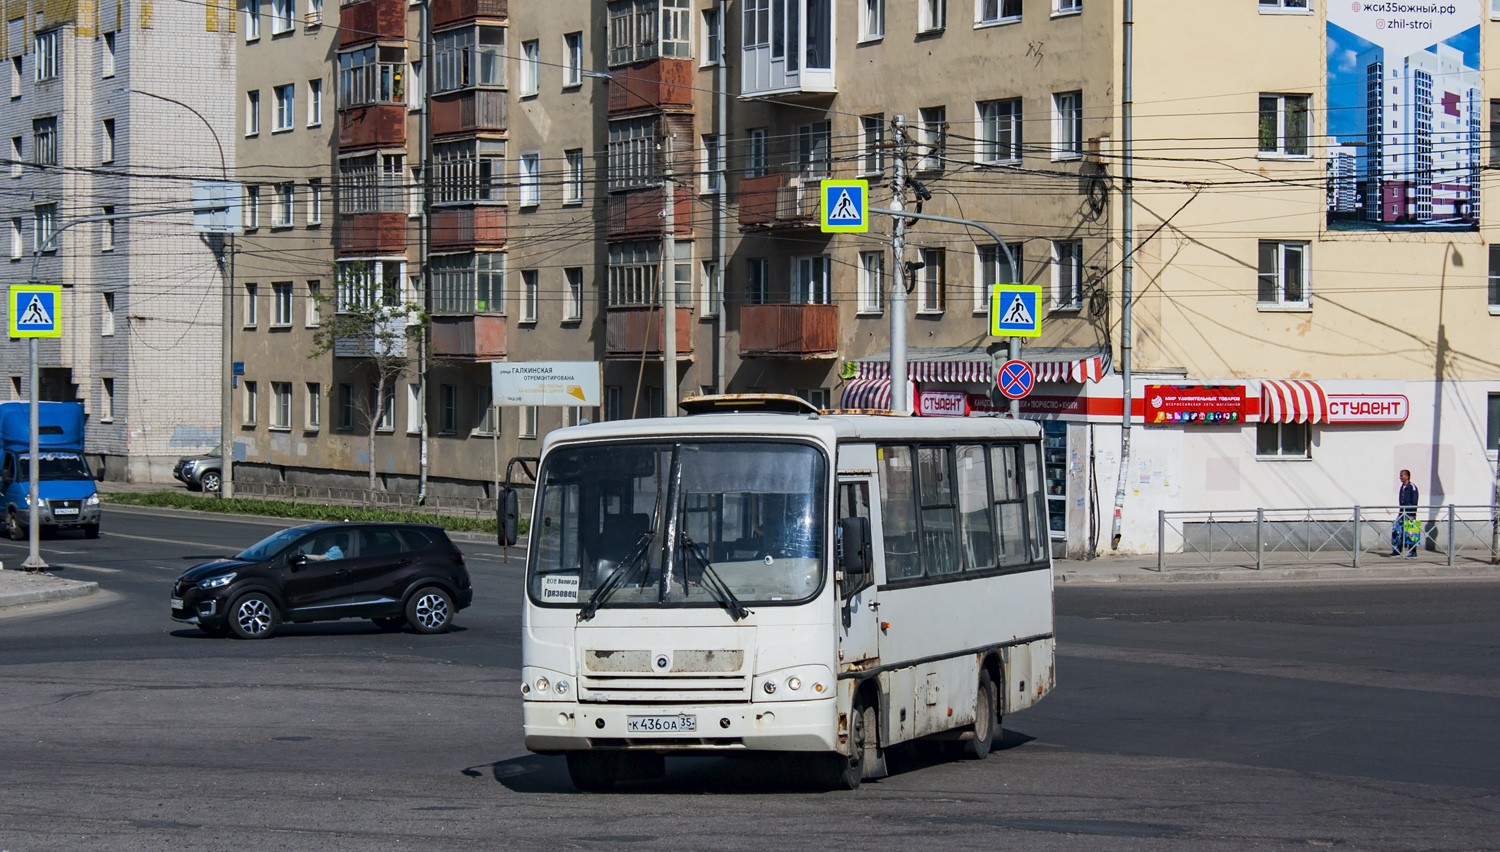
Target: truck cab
column 68, row 496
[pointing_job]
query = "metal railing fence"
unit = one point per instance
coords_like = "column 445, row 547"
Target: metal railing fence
column 479, row 508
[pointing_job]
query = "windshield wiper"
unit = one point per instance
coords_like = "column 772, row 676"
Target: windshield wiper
column 611, row 585
column 714, row 583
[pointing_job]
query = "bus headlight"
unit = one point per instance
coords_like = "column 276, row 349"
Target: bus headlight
column 561, row 687
column 800, row 683
column 539, row 684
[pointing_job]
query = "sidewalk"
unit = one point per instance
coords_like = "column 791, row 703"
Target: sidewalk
column 18, row 587
column 1279, row 568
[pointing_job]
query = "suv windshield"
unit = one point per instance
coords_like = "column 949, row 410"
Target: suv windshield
column 55, row 466
column 271, row 547
column 749, row 520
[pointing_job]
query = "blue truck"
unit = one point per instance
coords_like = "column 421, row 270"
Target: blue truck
column 69, row 499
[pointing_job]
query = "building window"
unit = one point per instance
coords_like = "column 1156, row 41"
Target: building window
column 682, row 273
column 1066, row 7
column 415, row 195
column 252, row 112
column 17, row 156
column 530, row 294
column 252, row 305
column 314, row 295
column 365, row 284
column 44, row 141
column 314, row 201
column 1283, row 125
column 286, row 103
column 44, row 228
column 613, row 408
column 871, row 282
column 528, row 421
column 469, row 283
column 17, row 240
column 107, row 141
column 282, row 13
column 1067, row 275
column 755, row 152
column 712, row 290
column 871, row 19
column 16, row 72
column 810, row 280
column 531, row 68
column 1494, row 279
column 645, row 29
column 814, row 142
column 713, row 38
column 48, row 54
column 573, row 59
column 1000, row 131
column 633, row 272
column 314, row 406
column 252, row 402
column 282, row 203
column 448, row 402
column 1283, row 275
column 573, row 180
column 529, row 191
column 371, row 183
column 485, row 415
column 932, row 282
column 713, row 162
column 107, row 400
column 468, row 170
column 469, row 57
column 1283, row 440
column 998, row 11
column 931, row 15
column 107, row 60
column 281, row 301
column 757, row 284
column 107, row 230
column 346, row 406
column 932, row 136
column 1492, row 431
column 385, row 420
column 107, row 317
column 1290, row 6
column 872, row 144
column 1067, row 125
column 252, row 207
column 632, row 153
column 314, row 103
column 573, row 308
column 757, row 23
column 251, row 9
column 281, row 405
column 993, row 268
column 819, row 398
column 373, row 74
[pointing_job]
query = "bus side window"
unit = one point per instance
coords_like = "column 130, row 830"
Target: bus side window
column 1005, row 476
column 898, row 514
column 1036, row 505
column 974, row 507
column 939, row 510
column 854, row 502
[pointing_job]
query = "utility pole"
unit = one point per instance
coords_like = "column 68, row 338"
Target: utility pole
column 668, row 283
column 900, row 397
column 429, row 75
column 1127, row 266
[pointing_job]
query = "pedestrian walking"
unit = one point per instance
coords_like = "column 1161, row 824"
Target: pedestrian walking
column 1406, row 532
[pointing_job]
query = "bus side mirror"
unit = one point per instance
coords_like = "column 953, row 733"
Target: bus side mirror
column 854, row 550
column 507, row 524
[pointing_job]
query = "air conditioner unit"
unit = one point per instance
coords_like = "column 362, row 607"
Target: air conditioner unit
column 313, row 19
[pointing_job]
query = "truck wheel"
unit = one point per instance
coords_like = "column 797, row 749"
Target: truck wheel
column 209, row 482
column 13, row 527
column 90, row 530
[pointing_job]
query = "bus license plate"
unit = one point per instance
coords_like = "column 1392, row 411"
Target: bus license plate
column 661, row 724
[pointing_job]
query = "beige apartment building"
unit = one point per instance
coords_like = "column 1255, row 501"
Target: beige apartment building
column 1295, row 253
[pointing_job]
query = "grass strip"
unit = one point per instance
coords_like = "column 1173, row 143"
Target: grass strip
column 299, row 511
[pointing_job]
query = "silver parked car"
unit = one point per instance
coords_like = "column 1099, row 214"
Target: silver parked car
column 203, row 472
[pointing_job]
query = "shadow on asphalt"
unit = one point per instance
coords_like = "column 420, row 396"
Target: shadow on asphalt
column 749, row 773
column 350, row 627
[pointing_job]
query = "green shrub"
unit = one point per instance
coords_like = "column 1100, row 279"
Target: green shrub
column 300, row 511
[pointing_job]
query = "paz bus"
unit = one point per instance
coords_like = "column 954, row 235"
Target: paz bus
column 762, row 576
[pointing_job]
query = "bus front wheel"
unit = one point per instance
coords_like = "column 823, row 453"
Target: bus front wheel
column 844, row 772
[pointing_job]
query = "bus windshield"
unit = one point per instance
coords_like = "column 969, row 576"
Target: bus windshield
column 749, row 519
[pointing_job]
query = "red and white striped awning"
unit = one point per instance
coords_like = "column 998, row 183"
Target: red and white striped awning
column 1079, row 371
column 872, row 393
column 1292, row 401
column 977, row 371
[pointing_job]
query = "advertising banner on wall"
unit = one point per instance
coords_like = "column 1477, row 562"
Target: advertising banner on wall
column 1405, row 115
column 1176, row 404
column 566, row 383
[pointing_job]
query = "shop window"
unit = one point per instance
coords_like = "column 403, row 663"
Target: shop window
column 1283, row 440
column 1055, row 471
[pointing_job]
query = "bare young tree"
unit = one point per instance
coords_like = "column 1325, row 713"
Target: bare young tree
column 369, row 324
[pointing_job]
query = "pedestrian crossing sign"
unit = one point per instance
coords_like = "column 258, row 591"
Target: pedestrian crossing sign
column 1015, row 310
column 33, row 310
column 843, row 209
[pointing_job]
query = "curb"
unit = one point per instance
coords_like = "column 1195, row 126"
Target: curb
column 71, row 589
column 266, row 520
column 1246, row 575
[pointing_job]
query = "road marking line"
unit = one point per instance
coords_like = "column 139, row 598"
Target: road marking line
column 168, row 540
column 88, row 568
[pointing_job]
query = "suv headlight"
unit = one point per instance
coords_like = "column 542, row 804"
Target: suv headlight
column 218, row 582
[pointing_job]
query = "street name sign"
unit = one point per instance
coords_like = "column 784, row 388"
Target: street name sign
column 545, row 383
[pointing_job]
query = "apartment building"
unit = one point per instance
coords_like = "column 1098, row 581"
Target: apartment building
column 101, row 121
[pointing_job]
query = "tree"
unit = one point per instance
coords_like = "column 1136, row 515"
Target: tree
column 369, row 324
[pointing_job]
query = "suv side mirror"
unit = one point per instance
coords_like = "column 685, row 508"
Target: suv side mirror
column 507, row 524
column 296, row 561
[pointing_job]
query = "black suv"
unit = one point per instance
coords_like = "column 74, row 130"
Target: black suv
column 392, row 574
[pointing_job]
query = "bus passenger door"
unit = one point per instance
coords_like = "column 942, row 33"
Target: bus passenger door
column 859, row 641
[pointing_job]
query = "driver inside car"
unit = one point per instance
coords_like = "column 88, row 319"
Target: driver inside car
column 327, row 547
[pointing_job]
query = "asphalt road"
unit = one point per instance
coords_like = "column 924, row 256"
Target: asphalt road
column 1357, row 716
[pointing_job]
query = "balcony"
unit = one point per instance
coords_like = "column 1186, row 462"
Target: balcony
column 627, row 331
column 386, row 339
column 468, row 111
column 480, row 337
column 792, row 60
column 480, row 226
column 445, row 12
column 656, row 84
column 366, row 234
column 779, row 201
column 637, row 214
column 789, row 331
column 369, row 20
column 380, row 125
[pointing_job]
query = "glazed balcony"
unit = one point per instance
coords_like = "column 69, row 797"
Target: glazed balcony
column 655, row 84
column 789, row 331
column 365, row 234
column 468, row 111
column 376, row 126
column 801, row 61
column 637, row 214
column 445, row 12
column 481, row 226
column 480, row 337
column 779, row 201
column 368, row 20
column 628, row 331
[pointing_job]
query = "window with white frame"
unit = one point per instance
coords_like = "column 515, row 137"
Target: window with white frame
column 1283, row 275
column 814, row 144
column 871, row 19
column 819, row 398
column 107, row 317
column 872, row 144
column 871, row 282
column 281, row 303
column 372, row 183
column 485, row 415
column 414, row 195
column 528, row 421
column 107, row 400
column 931, row 15
column 282, row 204
column 573, row 177
column 252, row 305
column 365, row 284
column 251, row 215
column 17, row 239
column 44, row 141
column 632, row 153
column 573, row 305
column 107, row 140
column 251, row 11
column 48, row 54
column 375, row 74
column 531, row 68
column 573, row 59
column 44, row 228
column 682, row 273
column 468, row 170
column 314, row 305
column 1067, row 275
column 314, row 406
column 992, row 267
column 1283, row 440
column 712, row 163
column 314, row 103
column 314, row 16
column 1283, row 125
column 932, row 136
column 107, row 58
column 17, row 156
column 756, row 29
column 1067, row 125
column 471, row 283
column 645, row 29
column 1306, row 6
column 281, row 405
column 810, row 280
column 634, row 269
column 1000, row 131
column 417, row 91
column 711, row 290
column 756, row 163
column 614, row 408
column 997, row 11
column 531, row 295
column 1066, row 7
column 529, row 190
column 107, row 229
column 286, row 107
column 932, row 282
column 252, row 112
column 314, row 201
column 283, row 12
column 252, row 402
column 386, row 420
column 713, row 38
column 757, row 282
column 469, row 57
